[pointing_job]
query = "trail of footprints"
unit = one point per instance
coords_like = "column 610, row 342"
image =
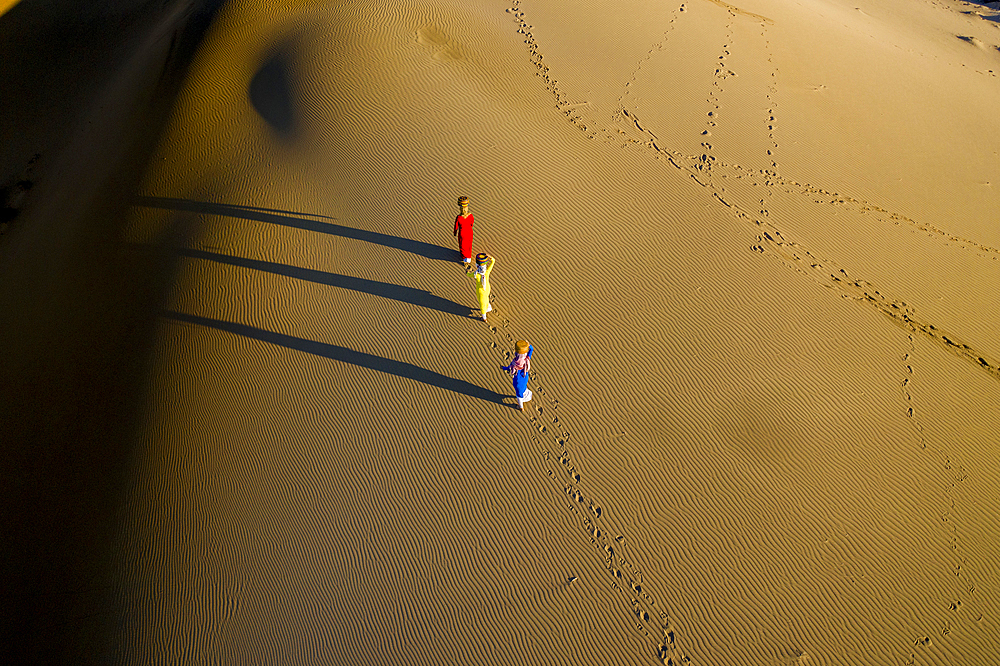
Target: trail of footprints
column 570, row 109
column 831, row 276
column 552, row 438
column 657, row 47
column 827, row 272
column 905, row 386
column 967, row 586
column 708, row 159
column 622, row 115
column 703, row 168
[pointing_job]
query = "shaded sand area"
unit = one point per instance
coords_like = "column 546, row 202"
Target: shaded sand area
column 86, row 92
column 756, row 250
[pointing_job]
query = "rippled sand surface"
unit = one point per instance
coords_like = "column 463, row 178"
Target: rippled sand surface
column 754, row 247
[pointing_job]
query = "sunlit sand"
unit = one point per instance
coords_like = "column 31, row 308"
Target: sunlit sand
column 754, row 246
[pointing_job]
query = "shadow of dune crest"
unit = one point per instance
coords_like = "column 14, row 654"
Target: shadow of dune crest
column 80, row 307
column 272, row 93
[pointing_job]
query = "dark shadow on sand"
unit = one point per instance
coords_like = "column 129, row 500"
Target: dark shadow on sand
column 79, row 311
column 344, row 355
column 298, row 221
column 270, row 93
column 395, row 292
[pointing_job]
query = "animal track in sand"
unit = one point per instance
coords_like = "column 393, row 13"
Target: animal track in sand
column 721, row 73
column 966, row 587
column 668, row 652
column 907, row 397
column 769, row 95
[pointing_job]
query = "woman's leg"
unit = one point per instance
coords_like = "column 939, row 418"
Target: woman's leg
column 484, row 302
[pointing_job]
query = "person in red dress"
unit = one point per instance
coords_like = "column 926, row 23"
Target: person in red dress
column 463, row 229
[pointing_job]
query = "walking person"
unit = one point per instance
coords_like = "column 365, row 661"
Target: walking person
column 519, row 369
column 484, row 264
column 463, row 229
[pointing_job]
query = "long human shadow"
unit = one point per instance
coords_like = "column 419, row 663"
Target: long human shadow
column 299, row 222
column 396, row 292
column 344, row 355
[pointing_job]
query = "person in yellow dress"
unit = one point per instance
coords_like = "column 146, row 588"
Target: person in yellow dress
column 484, row 264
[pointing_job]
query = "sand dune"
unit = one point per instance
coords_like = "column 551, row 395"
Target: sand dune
column 754, row 247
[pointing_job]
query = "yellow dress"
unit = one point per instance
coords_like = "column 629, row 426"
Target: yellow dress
column 483, row 286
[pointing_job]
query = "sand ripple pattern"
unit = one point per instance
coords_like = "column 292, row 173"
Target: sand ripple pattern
column 720, row 178
column 701, row 168
column 335, row 471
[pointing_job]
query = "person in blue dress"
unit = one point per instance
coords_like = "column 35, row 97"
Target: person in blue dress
column 518, row 370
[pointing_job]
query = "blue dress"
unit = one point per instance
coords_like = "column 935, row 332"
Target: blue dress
column 521, row 377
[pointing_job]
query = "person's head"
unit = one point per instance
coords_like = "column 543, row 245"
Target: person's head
column 463, row 203
column 521, row 346
column 482, row 258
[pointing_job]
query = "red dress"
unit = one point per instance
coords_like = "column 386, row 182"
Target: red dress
column 463, row 227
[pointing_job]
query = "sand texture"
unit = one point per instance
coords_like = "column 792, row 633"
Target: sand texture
column 756, row 248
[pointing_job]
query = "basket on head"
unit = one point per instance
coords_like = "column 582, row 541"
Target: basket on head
column 521, row 346
column 463, row 201
column 481, row 258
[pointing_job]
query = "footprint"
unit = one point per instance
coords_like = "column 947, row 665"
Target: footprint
column 795, row 657
column 975, row 41
column 443, row 47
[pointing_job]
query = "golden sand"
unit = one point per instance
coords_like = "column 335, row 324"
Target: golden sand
column 755, row 247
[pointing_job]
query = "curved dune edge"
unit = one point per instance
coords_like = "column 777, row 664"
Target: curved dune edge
column 6, row 5
column 733, row 455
